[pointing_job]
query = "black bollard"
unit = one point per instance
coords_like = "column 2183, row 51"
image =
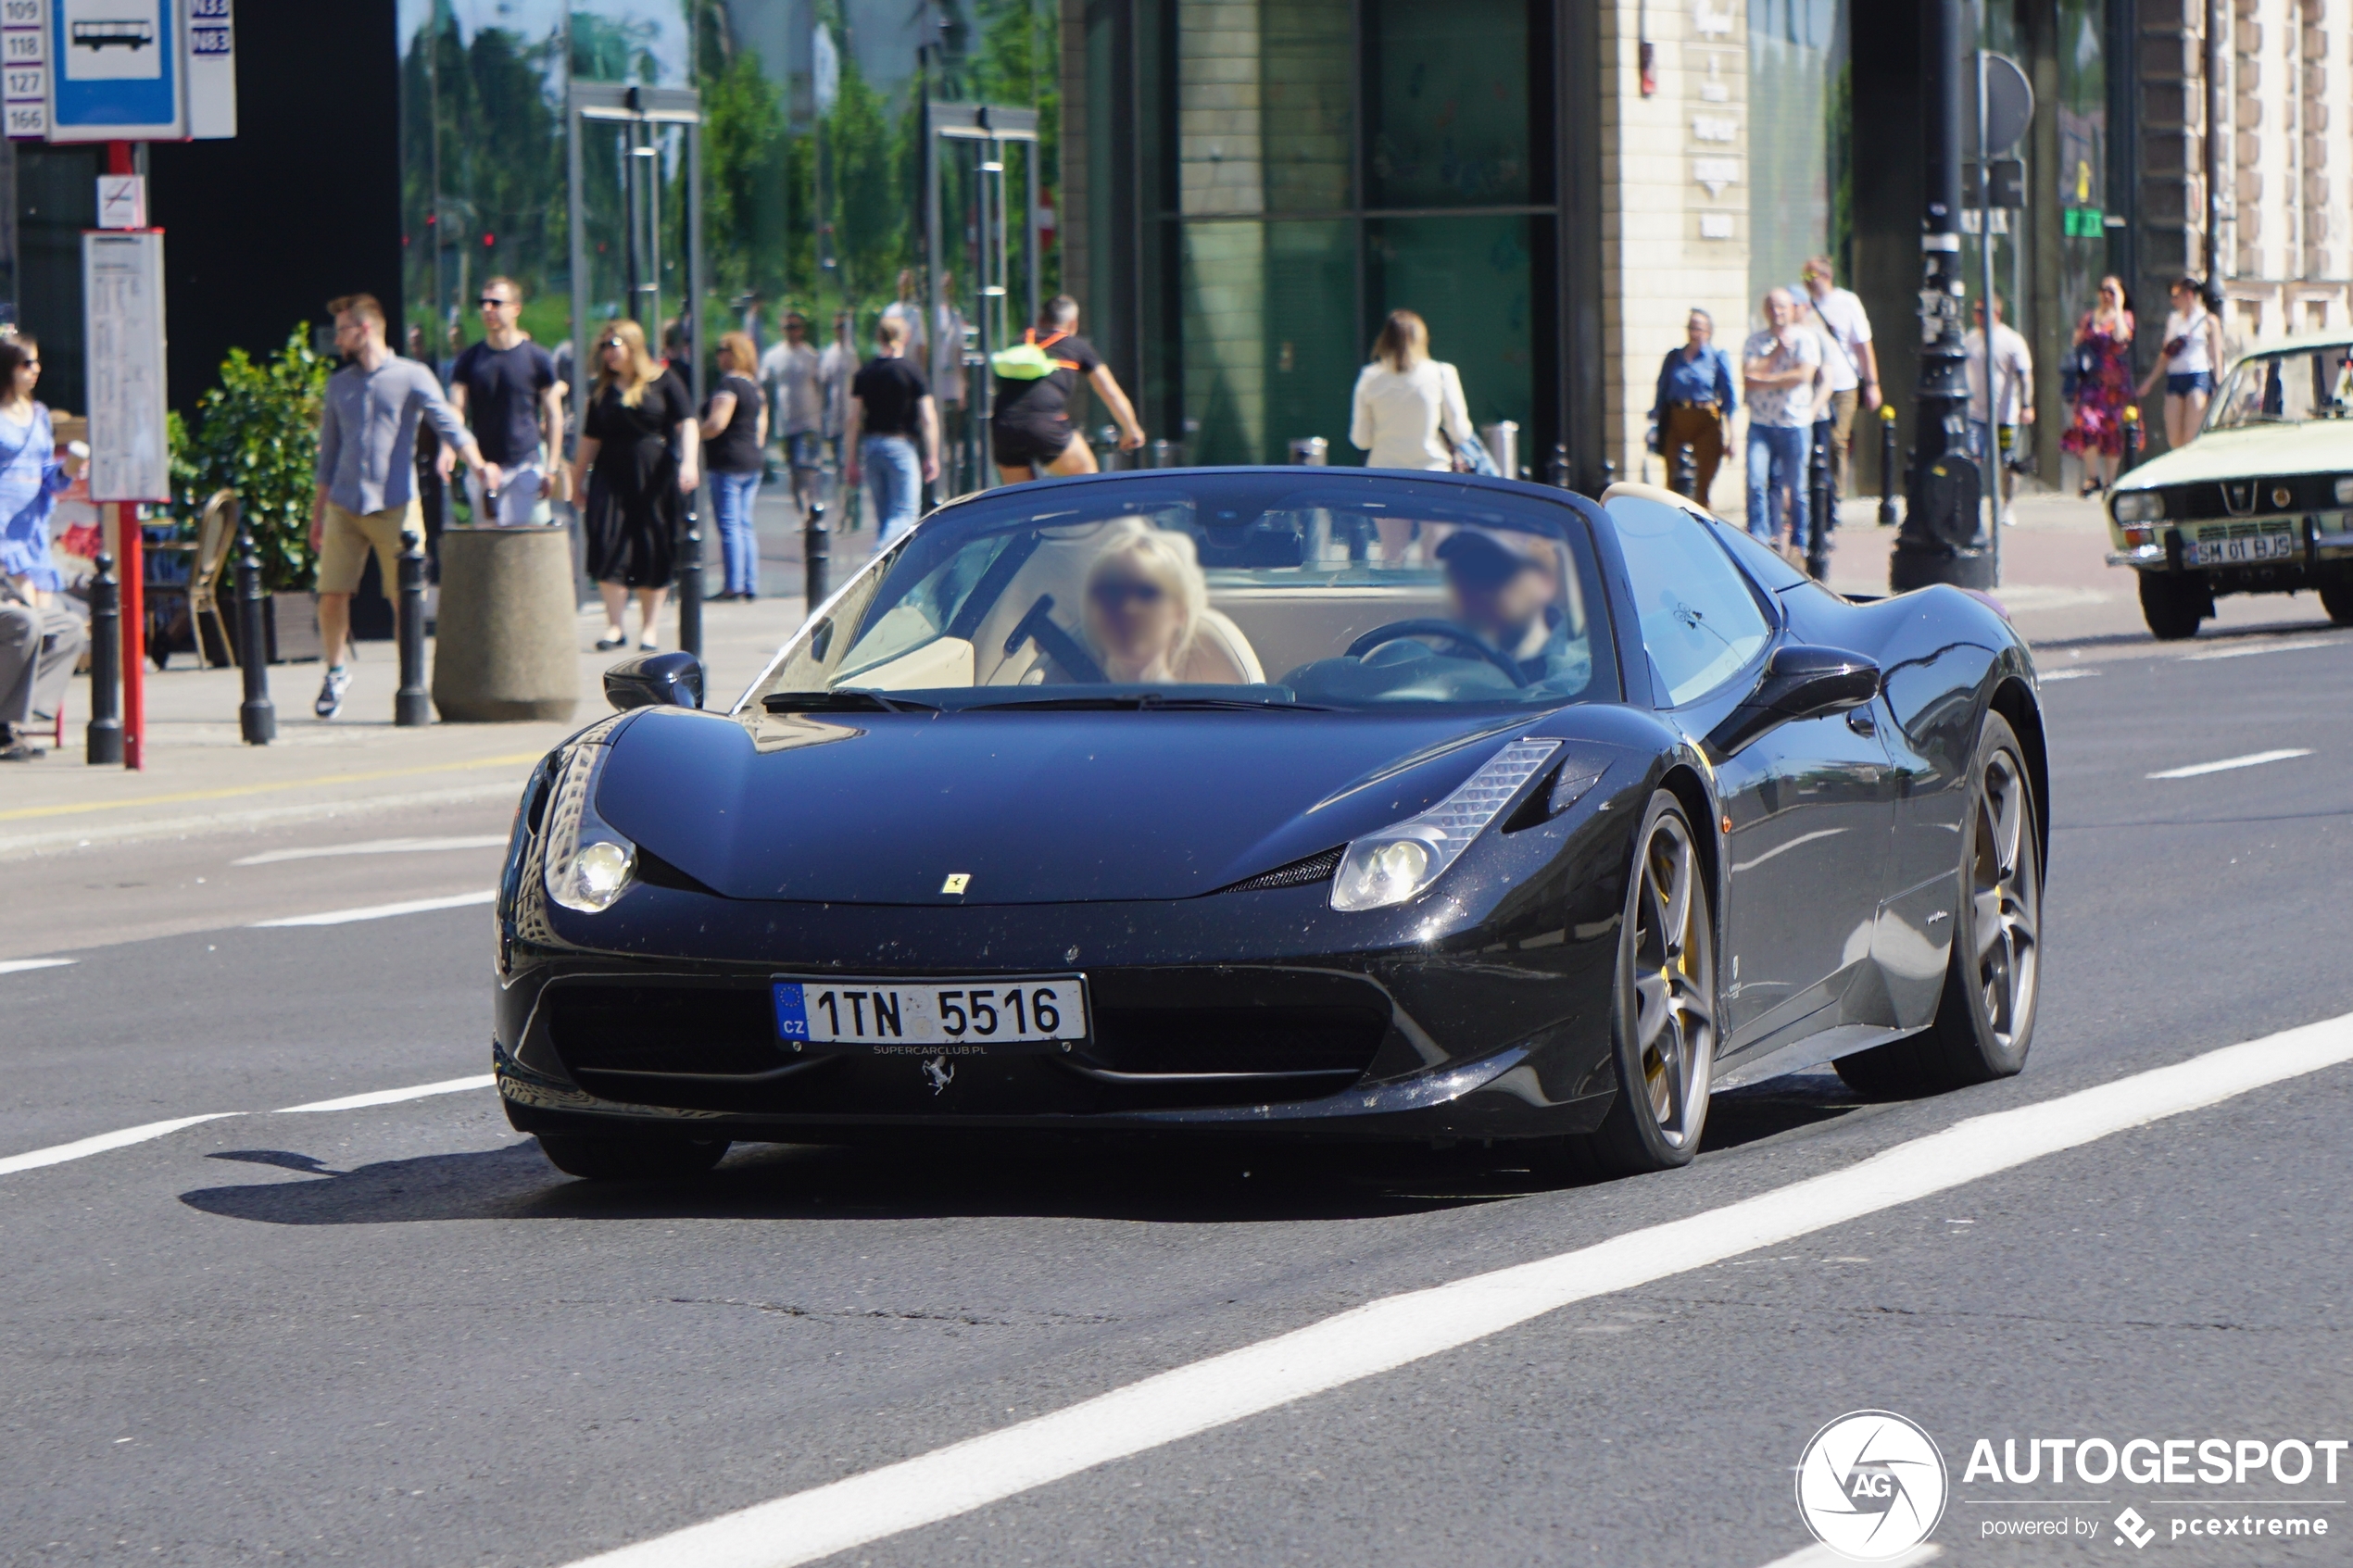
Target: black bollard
column 690, row 583
column 1887, row 467
column 1821, row 512
column 2135, row 437
column 105, row 746
column 816, row 564
column 1609, row 477
column 1686, row 481
column 1557, row 475
column 412, row 705
column 257, row 717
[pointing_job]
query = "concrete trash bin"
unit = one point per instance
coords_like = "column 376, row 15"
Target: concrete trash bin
column 506, row 647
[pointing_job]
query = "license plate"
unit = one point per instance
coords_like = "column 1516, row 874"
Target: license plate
column 2230, row 552
column 1038, row 1012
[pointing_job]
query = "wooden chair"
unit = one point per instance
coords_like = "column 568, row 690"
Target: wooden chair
column 206, row 556
column 216, row 537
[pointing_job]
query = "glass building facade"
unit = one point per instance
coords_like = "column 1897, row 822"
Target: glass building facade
column 1283, row 173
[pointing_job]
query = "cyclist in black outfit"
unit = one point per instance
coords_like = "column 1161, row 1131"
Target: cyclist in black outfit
column 1031, row 430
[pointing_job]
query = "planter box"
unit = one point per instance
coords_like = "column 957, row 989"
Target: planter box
column 291, row 621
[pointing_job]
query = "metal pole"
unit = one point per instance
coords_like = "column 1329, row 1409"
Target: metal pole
column 634, row 249
column 2210, row 65
column 130, row 545
column 1818, row 532
column 816, row 563
column 256, row 717
column 412, row 705
column 1941, row 540
column 690, row 581
column 1887, row 465
column 1992, row 453
column 690, row 313
column 1032, row 242
column 104, row 730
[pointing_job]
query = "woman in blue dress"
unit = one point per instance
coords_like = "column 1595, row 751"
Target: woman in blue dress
column 30, row 476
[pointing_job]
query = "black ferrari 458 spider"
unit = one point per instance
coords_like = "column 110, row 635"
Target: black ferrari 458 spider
column 1284, row 802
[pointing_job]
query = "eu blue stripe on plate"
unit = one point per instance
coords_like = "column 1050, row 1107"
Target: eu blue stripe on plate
column 792, row 1013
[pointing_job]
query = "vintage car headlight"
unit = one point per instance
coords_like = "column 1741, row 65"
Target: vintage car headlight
column 2139, row 505
column 1391, row 866
column 2345, row 490
column 589, row 865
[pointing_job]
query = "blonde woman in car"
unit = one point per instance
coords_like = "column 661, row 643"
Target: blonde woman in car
column 1145, row 600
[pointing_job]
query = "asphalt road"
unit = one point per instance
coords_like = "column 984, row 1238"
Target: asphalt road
column 393, row 1335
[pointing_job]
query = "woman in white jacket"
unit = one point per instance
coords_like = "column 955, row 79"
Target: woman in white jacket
column 1409, row 411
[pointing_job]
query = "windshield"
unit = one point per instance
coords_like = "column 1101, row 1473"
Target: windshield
column 2289, row 388
column 1206, row 590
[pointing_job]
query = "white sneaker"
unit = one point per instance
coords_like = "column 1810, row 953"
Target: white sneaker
column 330, row 692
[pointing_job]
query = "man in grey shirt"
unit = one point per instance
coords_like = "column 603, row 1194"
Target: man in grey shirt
column 367, row 472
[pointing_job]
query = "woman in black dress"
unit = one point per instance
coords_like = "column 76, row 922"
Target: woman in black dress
column 639, row 454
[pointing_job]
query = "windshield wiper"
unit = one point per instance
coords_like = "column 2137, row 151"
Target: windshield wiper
column 846, row 699
column 1142, row 702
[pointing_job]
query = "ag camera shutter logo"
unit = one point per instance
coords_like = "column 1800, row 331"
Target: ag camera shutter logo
column 1871, row 1486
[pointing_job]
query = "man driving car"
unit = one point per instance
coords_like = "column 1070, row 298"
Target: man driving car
column 1506, row 588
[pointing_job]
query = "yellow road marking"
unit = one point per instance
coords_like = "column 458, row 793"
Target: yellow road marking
column 22, row 812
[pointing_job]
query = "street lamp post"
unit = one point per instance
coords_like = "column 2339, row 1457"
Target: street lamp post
column 1943, row 536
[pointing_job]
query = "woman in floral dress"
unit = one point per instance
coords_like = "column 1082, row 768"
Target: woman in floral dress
column 2103, row 385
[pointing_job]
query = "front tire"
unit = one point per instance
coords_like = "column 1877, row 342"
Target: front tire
column 2338, row 599
column 2173, row 605
column 630, row 1159
column 1986, row 1019
column 1662, row 1006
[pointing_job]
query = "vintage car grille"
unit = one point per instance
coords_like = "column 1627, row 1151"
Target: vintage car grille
column 2256, row 498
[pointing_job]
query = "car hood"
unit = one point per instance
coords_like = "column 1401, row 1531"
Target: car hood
column 2250, row 452
column 1032, row 808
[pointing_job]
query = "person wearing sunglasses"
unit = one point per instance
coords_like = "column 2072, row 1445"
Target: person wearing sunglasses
column 1144, row 603
column 507, row 389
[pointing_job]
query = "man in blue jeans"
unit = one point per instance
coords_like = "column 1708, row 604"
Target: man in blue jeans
column 1779, row 366
column 891, row 412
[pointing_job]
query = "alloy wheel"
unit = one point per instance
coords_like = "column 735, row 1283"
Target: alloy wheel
column 2006, row 898
column 1673, row 983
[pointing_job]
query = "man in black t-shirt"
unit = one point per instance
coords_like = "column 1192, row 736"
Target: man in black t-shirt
column 1030, row 427
column 893, row 431
column 507, row 389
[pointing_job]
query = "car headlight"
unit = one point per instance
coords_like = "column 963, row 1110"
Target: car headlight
column 1391, row 866
column 2139, row 505
column 2345, row 490
column 589, row 865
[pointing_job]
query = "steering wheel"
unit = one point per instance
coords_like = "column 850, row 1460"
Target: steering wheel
column 1398, row 631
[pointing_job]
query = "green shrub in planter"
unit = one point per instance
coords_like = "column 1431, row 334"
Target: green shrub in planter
column 257, row 433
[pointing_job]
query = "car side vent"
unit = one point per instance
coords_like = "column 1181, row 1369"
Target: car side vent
column 1298, row 873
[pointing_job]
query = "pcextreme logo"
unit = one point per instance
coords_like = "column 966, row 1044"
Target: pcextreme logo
column 1871, row 1486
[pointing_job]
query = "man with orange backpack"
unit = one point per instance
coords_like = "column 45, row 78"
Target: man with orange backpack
column 1030, row 429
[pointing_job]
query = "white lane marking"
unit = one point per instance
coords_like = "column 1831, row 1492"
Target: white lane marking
column 1819, row 1556
column 1398, row 1330
column 2249, row 650
column 394, row 1096
column 2047, row 678
column 380, row 911
column 58, row 1154
column 375, row 847
column 17, row 966
column 2255, row 759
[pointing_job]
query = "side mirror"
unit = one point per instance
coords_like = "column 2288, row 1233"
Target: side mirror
column 1804, row 682
column 653, row 679
column 1801, row 682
